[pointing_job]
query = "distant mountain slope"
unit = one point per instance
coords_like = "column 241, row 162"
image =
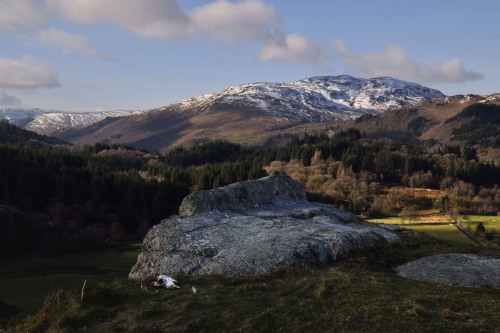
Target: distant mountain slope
column 47, row 122
column 250, row 112
column 20, row 116
column 10, row 133
column 51, row 122
column 314, row 99
column 469, row 119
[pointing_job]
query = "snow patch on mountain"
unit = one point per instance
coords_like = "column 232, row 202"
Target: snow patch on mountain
column 54, row 121
column 313, row 99
column 18, row 115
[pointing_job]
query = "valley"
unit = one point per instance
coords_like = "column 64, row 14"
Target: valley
column 247, row 114
column 108, row 183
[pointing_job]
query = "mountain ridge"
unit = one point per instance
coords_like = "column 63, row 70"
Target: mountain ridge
column 46, row 122
column 248, row 113
column 318, row 98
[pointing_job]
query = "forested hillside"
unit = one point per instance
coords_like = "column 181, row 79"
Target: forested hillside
column 459, row 120
column 59, row 198
column 12, row 134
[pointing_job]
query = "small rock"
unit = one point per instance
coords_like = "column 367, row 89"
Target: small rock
column 453, row 269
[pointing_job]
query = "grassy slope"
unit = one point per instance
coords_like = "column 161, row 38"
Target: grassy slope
column 25, row 283
column 358, row 293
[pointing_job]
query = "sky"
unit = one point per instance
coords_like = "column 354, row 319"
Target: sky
column 88, row 55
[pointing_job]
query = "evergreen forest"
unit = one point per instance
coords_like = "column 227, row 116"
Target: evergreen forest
column 56, row 196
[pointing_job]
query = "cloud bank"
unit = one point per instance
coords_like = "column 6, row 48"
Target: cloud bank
column 8, row 100
column 295, row 49
column 393, row 61
column 221, row 21
column 69, row 43
column 161, row 19
column 26, row 73
column 226, row 22
column 19, row 16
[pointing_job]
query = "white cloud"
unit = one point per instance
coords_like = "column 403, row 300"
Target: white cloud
column 28, row 19
column 394, row 61
column 228, row 22
column 26, row 73
column 20, row 15
column 8, row 100
column 220, row 21
column 161, row 19
column 68, row 42
column 294, row 49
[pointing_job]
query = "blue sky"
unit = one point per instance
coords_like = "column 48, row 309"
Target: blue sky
column 85, row 55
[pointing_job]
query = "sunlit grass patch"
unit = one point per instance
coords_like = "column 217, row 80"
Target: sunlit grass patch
column 423, row 218
column 445, row 232
column 489, row 222
column 386, row 220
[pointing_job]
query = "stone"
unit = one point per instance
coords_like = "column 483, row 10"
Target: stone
column 250, row 228
column 453, row 269
column 272, row 190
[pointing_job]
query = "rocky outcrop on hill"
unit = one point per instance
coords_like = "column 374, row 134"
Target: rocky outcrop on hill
column 453, row 269
column 252, row 227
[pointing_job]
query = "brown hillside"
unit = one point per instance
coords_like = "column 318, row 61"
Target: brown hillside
column 396, row 124
column 162, row 129
column 167, row 127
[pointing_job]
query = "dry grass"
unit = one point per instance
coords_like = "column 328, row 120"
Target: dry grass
column 360, row 293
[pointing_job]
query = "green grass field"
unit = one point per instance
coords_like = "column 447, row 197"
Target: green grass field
column 438, row 219
column 442, row 231
column 489, row 222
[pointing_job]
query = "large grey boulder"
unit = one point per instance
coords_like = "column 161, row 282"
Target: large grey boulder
column 252, row 227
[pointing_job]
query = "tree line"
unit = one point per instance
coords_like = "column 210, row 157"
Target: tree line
column 108, row 183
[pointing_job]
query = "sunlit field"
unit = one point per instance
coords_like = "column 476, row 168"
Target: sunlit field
column 445, row 232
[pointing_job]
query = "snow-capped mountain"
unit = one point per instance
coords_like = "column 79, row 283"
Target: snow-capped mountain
column 20, row 116
column 51, row 122
column 48, row 122
column 313, row 99
column 248, row 113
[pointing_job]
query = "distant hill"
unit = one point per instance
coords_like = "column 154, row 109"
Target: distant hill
column 10, row 133
column 250, row 113
column 470, row 120
column 49, row 121
column 20, row 116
